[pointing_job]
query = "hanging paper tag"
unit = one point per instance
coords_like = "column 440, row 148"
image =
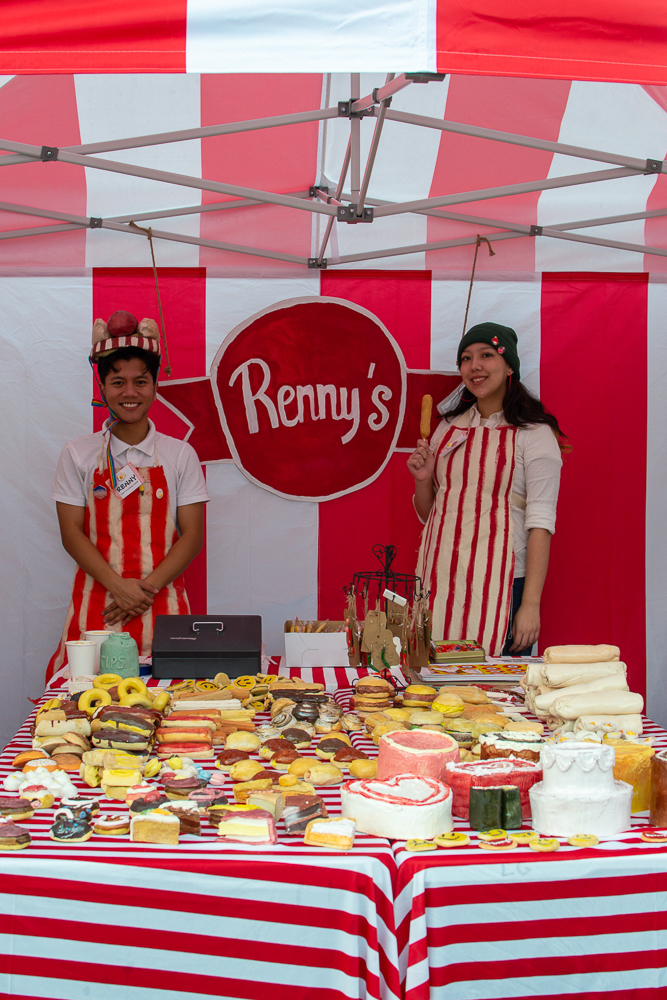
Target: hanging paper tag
column 128, row 480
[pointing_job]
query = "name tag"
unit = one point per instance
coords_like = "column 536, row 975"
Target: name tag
column 455, row 442
column 128, row 480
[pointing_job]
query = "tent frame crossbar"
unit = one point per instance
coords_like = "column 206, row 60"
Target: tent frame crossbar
column 516, row 230
column 318, row 201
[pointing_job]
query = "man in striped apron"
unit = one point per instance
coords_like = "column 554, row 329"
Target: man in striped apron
column 130, row 500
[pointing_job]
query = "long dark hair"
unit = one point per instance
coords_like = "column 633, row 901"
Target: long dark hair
column 520, row 408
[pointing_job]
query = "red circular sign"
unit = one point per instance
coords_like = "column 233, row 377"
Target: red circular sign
column 311, row 394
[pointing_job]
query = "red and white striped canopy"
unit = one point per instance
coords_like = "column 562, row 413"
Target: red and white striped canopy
column 557, row 39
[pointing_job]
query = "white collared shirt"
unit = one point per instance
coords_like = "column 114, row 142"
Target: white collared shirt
column 79, row 459
column 536, row 476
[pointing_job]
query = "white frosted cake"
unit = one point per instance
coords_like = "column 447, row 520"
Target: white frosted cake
column 400, row 808
column 578, row 793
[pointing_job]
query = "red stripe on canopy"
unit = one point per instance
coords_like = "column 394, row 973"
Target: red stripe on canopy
column 557, row 39
column 93, row 36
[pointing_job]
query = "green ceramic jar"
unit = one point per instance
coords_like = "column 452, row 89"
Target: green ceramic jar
column 119, row 655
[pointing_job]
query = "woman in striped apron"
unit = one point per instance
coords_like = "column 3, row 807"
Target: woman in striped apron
column 486, row 486
column 129, row 500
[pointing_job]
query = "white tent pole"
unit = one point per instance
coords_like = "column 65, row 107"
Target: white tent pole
column 355, row 140
column 80, row 222
column 526, row 228
column 44, row 213
column 500, row 192
column 332, row 221
column 227, row 128
column 522, row 140
column 600, row 242
column 83, row 223
column 370, row 162
column 214, row 244
column 170, row 178
column 495, row 237
column 421, row 247
column 13, row 234
column 214, row 206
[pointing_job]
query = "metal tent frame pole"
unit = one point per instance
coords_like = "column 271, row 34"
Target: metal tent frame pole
column 318, row 201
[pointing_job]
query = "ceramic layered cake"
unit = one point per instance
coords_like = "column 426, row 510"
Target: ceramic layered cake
column 403, row 807
column 578, row 793
column 416, row 751
column 463, row 775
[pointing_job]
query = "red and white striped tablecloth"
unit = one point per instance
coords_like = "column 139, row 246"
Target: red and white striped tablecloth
column 114, row 920
column 585, row 923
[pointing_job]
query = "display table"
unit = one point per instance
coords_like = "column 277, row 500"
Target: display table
column 110, row 919
column 113, row 920
column 585, row 923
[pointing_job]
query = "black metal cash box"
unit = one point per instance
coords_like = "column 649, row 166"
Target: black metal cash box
column 204, row 645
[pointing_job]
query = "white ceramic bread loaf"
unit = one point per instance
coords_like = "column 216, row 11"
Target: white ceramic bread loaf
column 573, row 706
column 534, row 675
column 560, row 675
column 581, row 654
column 628, row 723
column 614, row 682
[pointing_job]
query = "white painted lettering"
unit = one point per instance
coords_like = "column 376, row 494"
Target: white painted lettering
column 286, row 396
column 306, row 392
column 376, row 421
column 249, row 397
column 297, row 404
column 325, row 392
column 354, row 413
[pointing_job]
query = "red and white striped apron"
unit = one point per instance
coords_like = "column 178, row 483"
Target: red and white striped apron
column 134, row 535
column 466, row 557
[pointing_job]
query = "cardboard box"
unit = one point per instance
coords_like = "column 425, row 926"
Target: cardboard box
column 315, row 649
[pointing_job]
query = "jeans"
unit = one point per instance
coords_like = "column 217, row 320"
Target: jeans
column 517, row 594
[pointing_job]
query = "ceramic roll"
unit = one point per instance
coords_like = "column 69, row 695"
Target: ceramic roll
column 559, row 675
column 605, row 702
column 581, row 654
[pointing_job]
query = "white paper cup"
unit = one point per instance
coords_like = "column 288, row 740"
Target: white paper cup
column 81, row 657
column 97, row 636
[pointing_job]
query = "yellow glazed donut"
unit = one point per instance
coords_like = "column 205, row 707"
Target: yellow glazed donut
column 132, row 685
column 160, row 700
column 106, row 681
column 92, row 699
column 136, row 699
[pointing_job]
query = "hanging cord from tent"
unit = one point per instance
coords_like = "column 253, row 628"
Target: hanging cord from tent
column 149, row 234
column 492, row 253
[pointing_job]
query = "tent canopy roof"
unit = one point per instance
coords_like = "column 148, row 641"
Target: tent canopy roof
column 313, row 170
column 555, row 39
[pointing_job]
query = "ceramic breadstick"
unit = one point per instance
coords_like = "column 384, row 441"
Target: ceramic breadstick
column 425, row 424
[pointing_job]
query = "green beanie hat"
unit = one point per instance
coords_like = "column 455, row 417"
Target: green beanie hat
column 503, row 338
